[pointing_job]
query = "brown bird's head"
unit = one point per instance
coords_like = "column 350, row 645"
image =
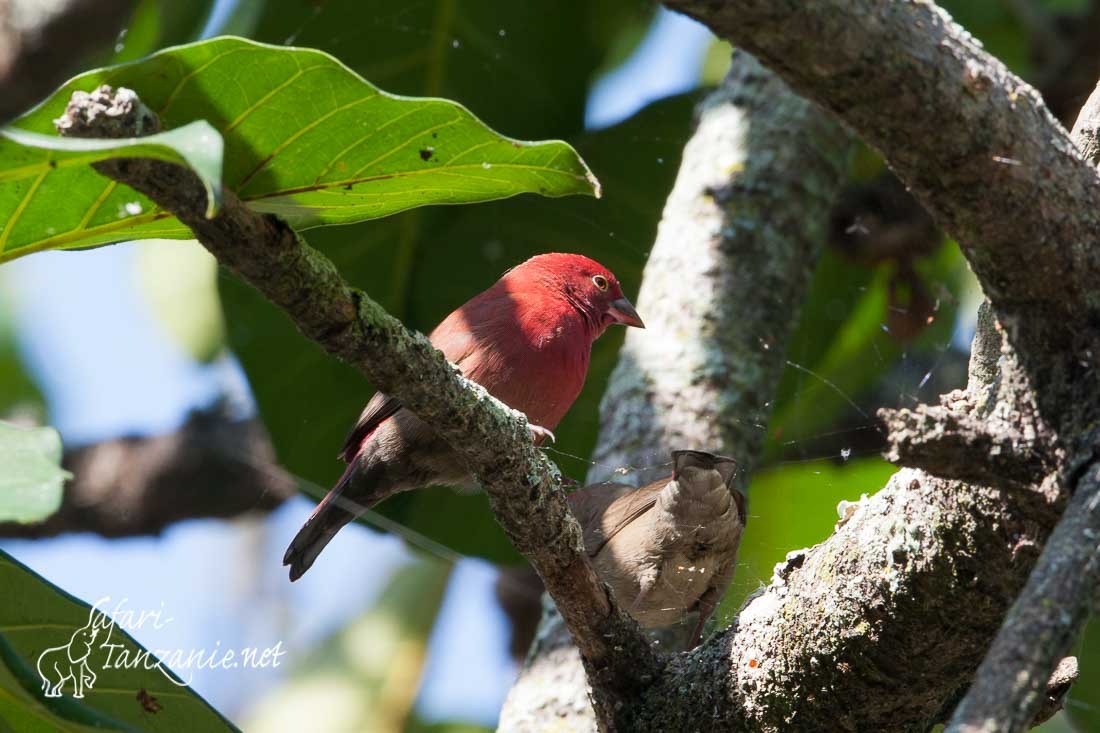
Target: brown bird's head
column 686, row 464
column 583, row 283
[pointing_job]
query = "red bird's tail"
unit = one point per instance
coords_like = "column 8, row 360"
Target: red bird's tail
column 330, row 516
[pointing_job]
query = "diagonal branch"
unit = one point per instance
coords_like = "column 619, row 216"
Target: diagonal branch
column 491, row 438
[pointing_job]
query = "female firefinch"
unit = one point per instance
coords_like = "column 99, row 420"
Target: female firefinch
column 669, row 548
column 527, row 340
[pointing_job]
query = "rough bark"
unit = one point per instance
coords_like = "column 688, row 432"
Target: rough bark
column 522, row 485
column 723, row 285
column 1048, row 616
column 212, row 466
column 721, row 291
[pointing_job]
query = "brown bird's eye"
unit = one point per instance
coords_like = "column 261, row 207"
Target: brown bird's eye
column 600, row 281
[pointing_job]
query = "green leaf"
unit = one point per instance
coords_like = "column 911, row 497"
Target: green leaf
column 37, row 616
column 525, row 67
column 196, row 145
column 19, row 397
column 371, row 668
column 841, row 351
column 179, row 281
column 423, row 264
column 305, row 138
column 32, row 479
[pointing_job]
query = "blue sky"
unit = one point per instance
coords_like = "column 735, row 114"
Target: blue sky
column 127, row 377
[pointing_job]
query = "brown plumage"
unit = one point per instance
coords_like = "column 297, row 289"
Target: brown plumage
column 669, row 548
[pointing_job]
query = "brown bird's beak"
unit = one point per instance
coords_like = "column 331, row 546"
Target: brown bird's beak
column 623, row 312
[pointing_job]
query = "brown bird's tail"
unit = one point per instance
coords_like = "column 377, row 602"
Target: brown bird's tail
column 330, row 516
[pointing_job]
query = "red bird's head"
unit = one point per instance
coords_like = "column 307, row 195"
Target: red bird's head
column 580, row 281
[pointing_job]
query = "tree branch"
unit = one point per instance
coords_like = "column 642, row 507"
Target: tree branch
column 725, row 281
column 951, row 441
column 1054, row 605
column 213, row 466
column 721, row 291
column 998, row 172
column 523, row 486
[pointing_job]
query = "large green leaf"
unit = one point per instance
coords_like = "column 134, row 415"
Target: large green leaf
column 525, row 67
column 305, row 138
column 31, row 479
column 36, row 617
column 421, row 265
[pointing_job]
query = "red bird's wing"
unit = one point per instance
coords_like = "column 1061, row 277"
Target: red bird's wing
column 456, row 345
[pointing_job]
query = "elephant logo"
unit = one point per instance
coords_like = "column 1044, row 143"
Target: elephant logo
column 69, row 662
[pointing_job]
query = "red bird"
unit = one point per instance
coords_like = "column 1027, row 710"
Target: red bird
column 527, row 340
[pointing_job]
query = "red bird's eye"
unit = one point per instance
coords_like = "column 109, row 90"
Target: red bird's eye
column 599, row 281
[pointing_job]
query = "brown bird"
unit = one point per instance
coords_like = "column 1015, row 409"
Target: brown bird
column 668, row 548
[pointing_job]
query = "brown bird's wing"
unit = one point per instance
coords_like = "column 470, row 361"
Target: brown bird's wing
column 740, row 500
column 604, row 510
column 456, row 346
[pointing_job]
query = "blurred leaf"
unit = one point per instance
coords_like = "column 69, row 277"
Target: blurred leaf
column 32, row 478
column 524, row 66
column 36, row 617
column 157, row 24
column 794, row 506
column 366, row 676
column 141, row 35
column 717, row 61
column 997, row 28
column 180, row 282
column 19, row 397
column 419, row 726
column 842, row 348
column 422, row 265
column 1083, row 701
column 306, row 139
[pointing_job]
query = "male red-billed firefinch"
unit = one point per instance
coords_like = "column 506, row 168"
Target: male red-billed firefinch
column 668, row 548
column 527, row 340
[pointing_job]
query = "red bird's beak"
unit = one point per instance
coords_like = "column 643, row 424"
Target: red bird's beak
column 623, row 312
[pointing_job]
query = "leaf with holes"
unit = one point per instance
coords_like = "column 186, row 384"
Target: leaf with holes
column 31, row 479
column 305, row 138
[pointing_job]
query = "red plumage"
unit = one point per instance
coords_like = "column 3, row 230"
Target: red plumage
column 527, row 340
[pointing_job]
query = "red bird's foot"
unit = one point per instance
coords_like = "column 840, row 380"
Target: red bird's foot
column 539, row 434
